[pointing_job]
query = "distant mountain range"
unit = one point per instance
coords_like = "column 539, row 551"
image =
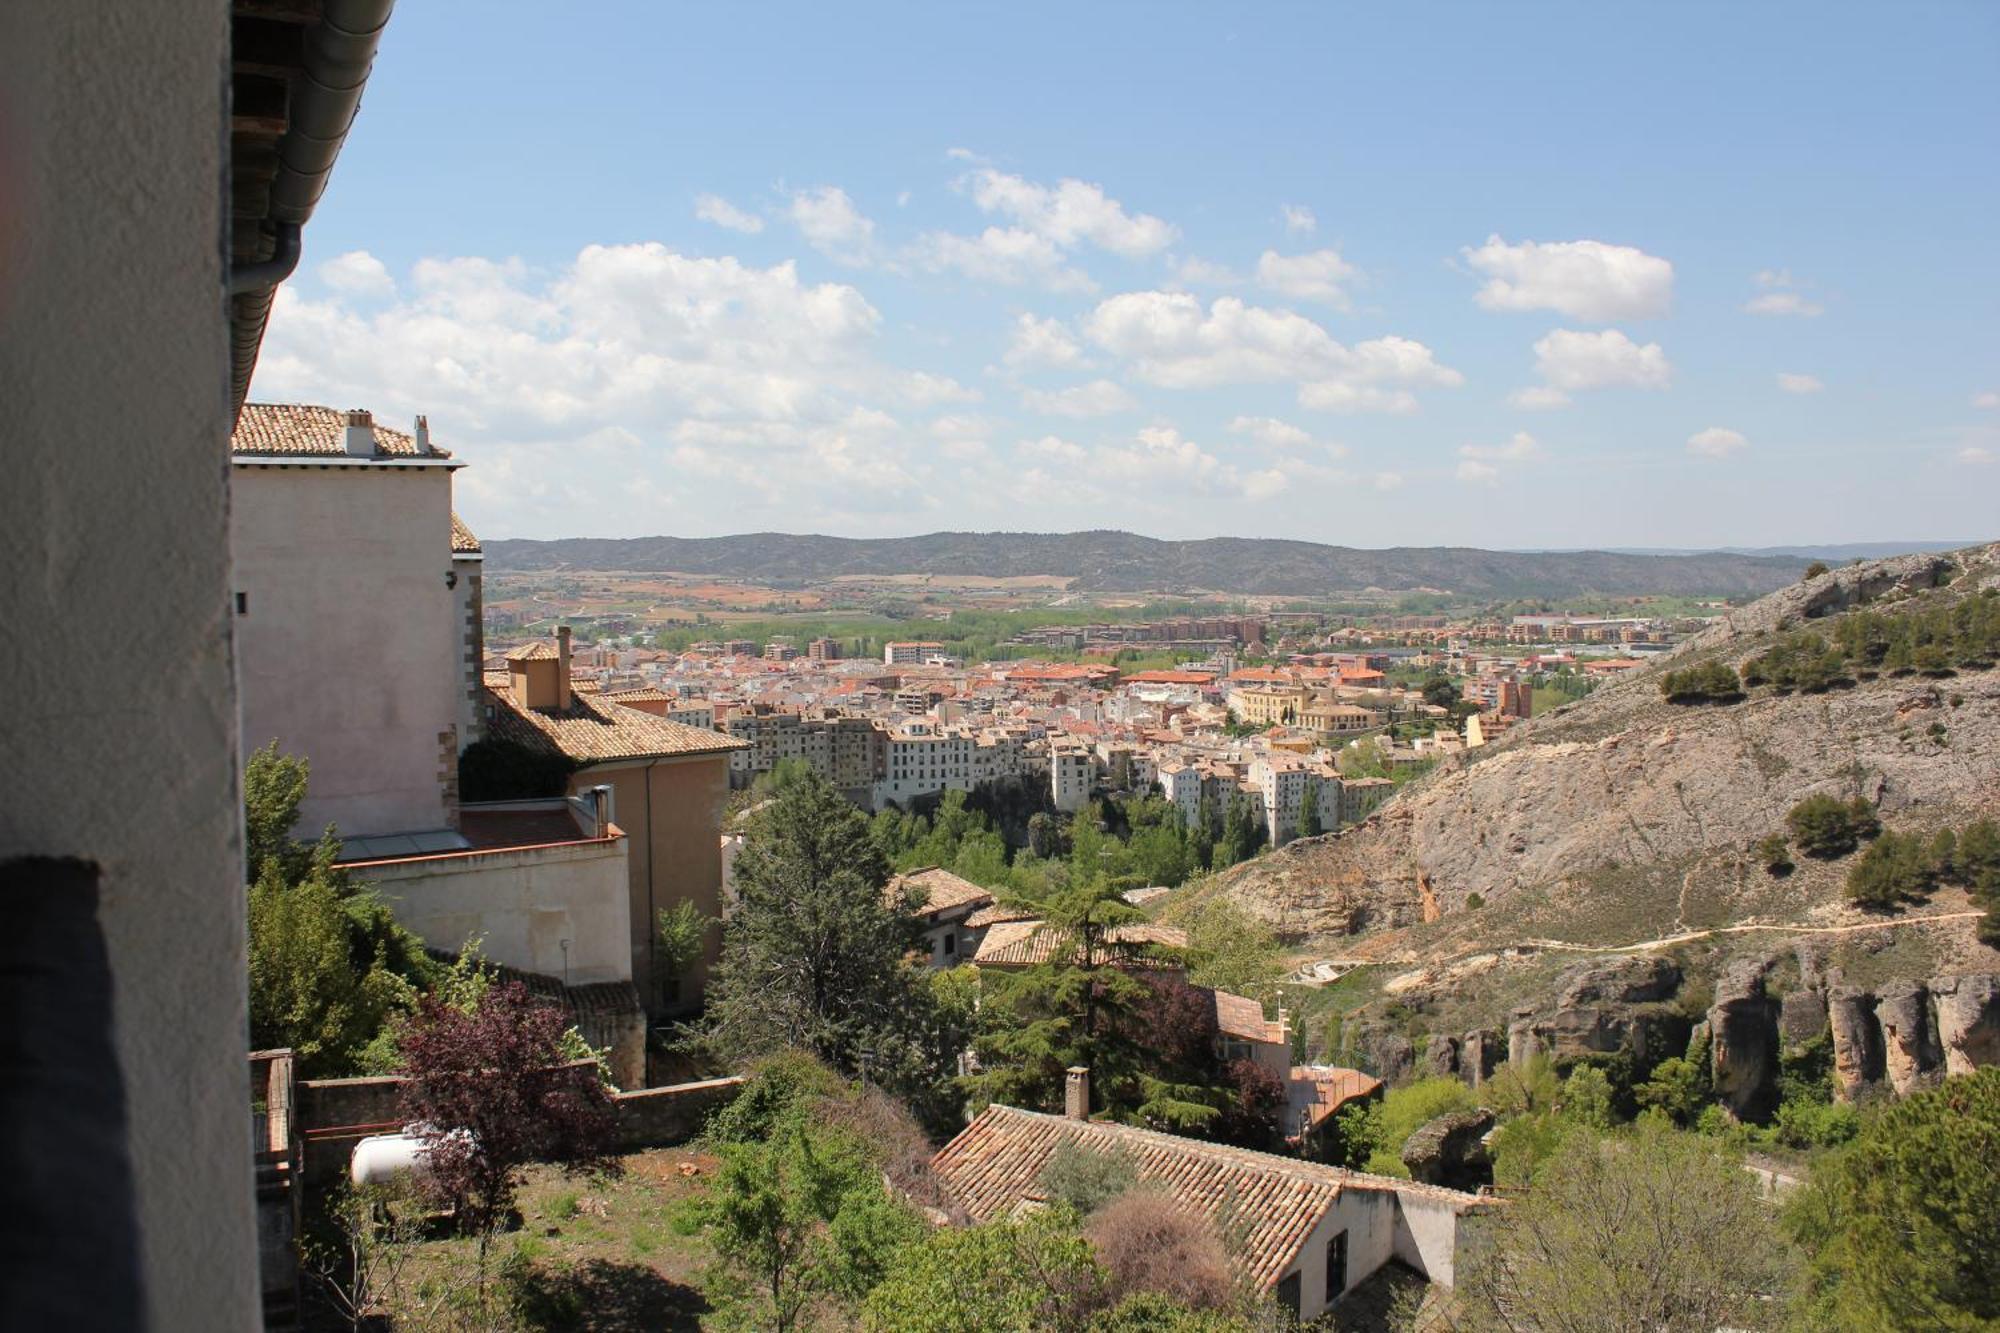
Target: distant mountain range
column 1125, row 562
column 1836, row 551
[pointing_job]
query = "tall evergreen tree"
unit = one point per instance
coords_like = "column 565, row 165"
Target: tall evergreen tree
column 1309, row 825
column 812, row 953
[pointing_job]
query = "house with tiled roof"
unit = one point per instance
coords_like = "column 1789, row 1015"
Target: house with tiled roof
column 946, row 904
column 357, row 608
column 666, row 783
column 1304, row 1233
column 1023, row 942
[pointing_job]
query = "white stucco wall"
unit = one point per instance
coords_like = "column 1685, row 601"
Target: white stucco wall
column 347, row 652
column 1427, row 1238
column 523, row 905
column 1369, row 1219
column 120, row 724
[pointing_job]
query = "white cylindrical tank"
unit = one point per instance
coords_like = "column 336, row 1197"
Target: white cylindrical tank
column 380, row 1158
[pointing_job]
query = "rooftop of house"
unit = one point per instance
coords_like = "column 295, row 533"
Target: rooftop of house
column 1317, row 1091
column 941, row 890
column 462, row 540
column 1029, row 942
column 1241, row 1016
column 994, row 1166
column 303, row 430
column 594, row 729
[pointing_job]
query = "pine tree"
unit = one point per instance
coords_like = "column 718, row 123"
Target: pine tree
column 1076, row 1008
column 1309, row 825
column 812, row 954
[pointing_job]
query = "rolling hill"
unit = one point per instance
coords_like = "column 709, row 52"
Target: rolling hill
column 1125, row 562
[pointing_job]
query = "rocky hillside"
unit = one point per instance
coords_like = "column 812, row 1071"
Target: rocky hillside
column 1124, row 561
column 1623, row 827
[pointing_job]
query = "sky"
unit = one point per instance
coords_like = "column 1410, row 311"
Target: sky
column 1505, row 275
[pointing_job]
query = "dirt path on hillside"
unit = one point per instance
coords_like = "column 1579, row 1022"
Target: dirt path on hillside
column 1685, row 936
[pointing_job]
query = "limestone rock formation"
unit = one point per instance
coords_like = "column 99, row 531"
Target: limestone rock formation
column 1743, row 1043
column 1451, row 1151
column 1968, row 1021
column 1857, row 1043
column 1909, row 1054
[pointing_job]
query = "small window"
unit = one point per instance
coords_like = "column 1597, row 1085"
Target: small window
column 1336, row 1267
column 242, row 603
column 950, row 944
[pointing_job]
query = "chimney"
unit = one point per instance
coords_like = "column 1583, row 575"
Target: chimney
column 422, row 435
column 562, row 668
column 1076, row 1093
column 360, row 433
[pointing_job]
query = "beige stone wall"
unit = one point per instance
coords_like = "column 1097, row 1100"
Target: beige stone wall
column 671, row 809
column 121, row 712
column 350, row 643
column 522, row 905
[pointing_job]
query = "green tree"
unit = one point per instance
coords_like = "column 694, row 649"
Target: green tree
column 1827, row 827
column 1373, row 1133
column 1895, row 868
column 1201, row 838
column 683, row 938
column 1440, row 692
column 800, row 1220
column 274, row 786
column 1652, row 1230
column 1674, row 1090
column 813, row 954
column 1075, row 1008
column 1031, row 1275
column 1901, row 1228
column 1776, row 855
column 1309, row 825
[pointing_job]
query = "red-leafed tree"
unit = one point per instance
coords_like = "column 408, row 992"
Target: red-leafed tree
column 491, row 1090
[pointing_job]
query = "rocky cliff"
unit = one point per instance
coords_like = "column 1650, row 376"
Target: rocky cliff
column 1618, row 833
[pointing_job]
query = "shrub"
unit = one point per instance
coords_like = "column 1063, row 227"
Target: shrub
column 1816, row 569
column 1829, row 828
column 1374, row 1136
column 1674, row 1090
column 1799, row 661
column 1086, row 1180
column 1776, row 855
column 1149, row 1243
column 1806, row 1124
column 1896, row 867
column 1705, row 682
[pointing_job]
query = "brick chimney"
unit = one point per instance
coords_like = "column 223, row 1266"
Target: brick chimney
column 360, row 433
column 1076, row 1093
column 562, row 668
column 422, row 435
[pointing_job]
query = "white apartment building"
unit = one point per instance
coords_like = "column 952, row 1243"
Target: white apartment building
column 908, row 653
column 920, row 757
column 1071, row 774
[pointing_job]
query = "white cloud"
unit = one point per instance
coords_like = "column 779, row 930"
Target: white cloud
column 1978, row 455
column 832, row 225
column 1198, row 272
column 358, row 273
column 1781, row 296
column 1299, row 219
column 1069, row 213
column 1269, row 430
column 1986, row 401
column 714, row 208
column 1005, row 255
column 1570, row 361
column 1042, row 343
column 1793, row 383
column 1099, row 398
column 570, row 391
column 1388, row 481
column 1584, row 279
column 1054, row 447
column 1538, row 398
column 1716, row 442
column 1159, row 456
column 1171, row 340
column 1479, row 463
column 1317, row 276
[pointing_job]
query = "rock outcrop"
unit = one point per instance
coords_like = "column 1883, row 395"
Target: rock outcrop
column 1451, row 1151
column 1857, row 1043
column 1968, row 1021
column 1743, row 1044
column 1909, row 1055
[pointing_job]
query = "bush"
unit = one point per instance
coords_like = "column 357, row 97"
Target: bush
column 1816, row 569
column 1799, row 661
column 1705, row 682
column 1829, row 828
column 1086, row 1180
column 1806, row 1124
column 1373, row 1135
column 1895, row 868
column 1674, row 1090
column 1148, row 1243
column 1776, row 855
column 779, row 1090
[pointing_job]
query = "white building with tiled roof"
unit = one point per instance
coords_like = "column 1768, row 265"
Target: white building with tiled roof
column 356, row 608
column 1305, row 1233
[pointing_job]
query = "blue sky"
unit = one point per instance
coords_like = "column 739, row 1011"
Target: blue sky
column 1494, row 275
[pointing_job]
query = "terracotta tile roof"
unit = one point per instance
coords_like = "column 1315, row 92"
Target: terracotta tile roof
column 596, row 730
column 294, row 428
column 1027, row 942
column 462, row 540
column 941, row 890
column 998, row 912
column 1241, row 1016
column 541, row 650
column 1269, row 1204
